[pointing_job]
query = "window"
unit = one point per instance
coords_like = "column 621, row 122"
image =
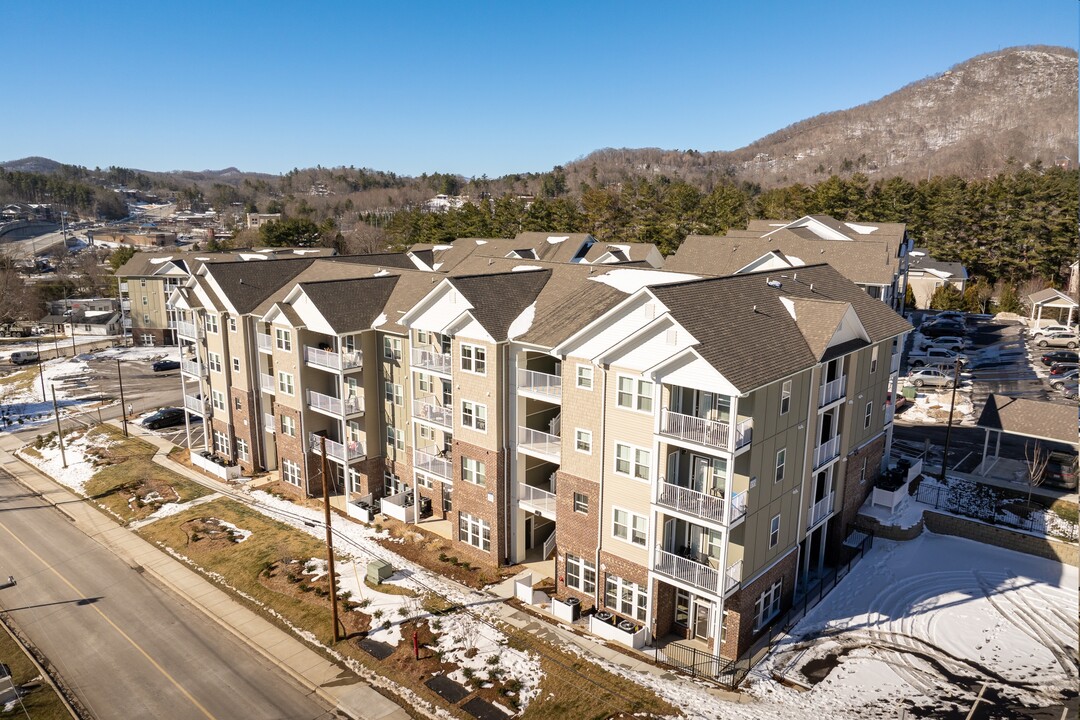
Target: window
column 868, row 415
column 767, row 605
column 393, row 393
column 236, row 364
column 142, row 282
column 283, row 339
column 424, row 382
column 633, row 461
column 218, row 399
column 873, row 359
column 391, row 348
column 474, row 359
column 422, row 337
column 426, row 433
column 625, row 597
column 474, row 531
column 862, row 473
column 395, row 438
column 213, row 361
column 236, row 403
column 148, row 340
column 232, row 324
column 474, row 415
column 774, row 531
column 285, row 382
column 242, row 450
column 583, row 441
column 629, row 527
column 210, row 322
column 391, row 484
column 288, row 425
column 145, row 300
column 581, row 503
column 585, row 377
column 473, row 471
column 146, row 318
column 781, row 461
column 290, row 472
column 580, row 574
column 221, row 442
column 634, row 394
column 785, row 397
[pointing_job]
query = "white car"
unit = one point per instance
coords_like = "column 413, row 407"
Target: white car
column 949, row 342
column 1047, row 329
column 931, row 376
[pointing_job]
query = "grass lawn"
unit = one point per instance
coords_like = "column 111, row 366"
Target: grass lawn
column 41, row 702
column 129, row 483
column 265, row 565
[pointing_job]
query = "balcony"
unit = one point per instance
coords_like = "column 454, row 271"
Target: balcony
column 330, row 360
column 539, row 385
column 127, row 323
column 432, row 461
column 534, row 499
column 821, row 510
column 125, row 304
column 894, row 363
column 431, row 360
column 123, row 287
column 195, row 405
column 265, row 343
column 701, row 575
column 189, row 330
column 711, row 433
column 331, row 405
column 826, row 451
column 269, row 423
column 832, row 391
column 353, row 450
column 266, row 382
column 539, row 444
column 194, row 369
column 890, row 413
column 699, row 504
column 427, row 409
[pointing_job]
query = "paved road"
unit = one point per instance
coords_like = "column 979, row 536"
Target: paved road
column 126, row 647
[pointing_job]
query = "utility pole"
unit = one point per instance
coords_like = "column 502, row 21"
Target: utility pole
column 123, row 407
column 329, row 539
column 948, row 428
column 59, row 430
column 41, row 368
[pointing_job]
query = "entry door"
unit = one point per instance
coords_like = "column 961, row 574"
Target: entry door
column 704, row 405
column 702, row 612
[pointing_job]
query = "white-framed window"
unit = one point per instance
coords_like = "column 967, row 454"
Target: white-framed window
column 473, row 359
column 147, row 340
column 633, row 461
column 424, row 382
column 474, row 531
column 628, row 527
column 142, row 282
column 584, row 377
column 774, row 531
column 394, row 393
column 581, row 503
column 391, row 348
column 583, row 441
column 236, row 403
column 283, row 339
column 288, row 425
column 236, row 364
column 781, row 462
column 232, row 324
column 425, row 432
column 221, row 442
column 290, row 472
column 580, row 574
column 785, row 397
column 423, row 337
column 634, row 394
column 145, row 300
column 862, row 473
column 285, row 382
column 395, row 438
column 146, row 317
column 868, row 415
column 242, row 450
column 392, row 484
column 217, row 399
column 213, row 361
column 767, row 606
column 473, row 471
column 625, row 597
column 424, row 481
column 873, row 359
column 210, row 323
column 474, row 415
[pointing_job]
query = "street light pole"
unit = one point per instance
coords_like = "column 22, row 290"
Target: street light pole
column 948, row 428
column 123, row 407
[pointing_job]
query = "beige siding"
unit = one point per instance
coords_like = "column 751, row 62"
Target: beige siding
column 481, row 389
column 581, row 409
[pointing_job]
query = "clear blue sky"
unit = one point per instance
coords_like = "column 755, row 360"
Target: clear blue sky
column 468, row 87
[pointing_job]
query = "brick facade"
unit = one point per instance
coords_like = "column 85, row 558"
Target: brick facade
column 614, row 565
column 246, row 424
column 663, row 619
column 157, row 333
column 473, row 499
column 291, row 448
column 857, row 487
column 576, row 533
column 739, row 608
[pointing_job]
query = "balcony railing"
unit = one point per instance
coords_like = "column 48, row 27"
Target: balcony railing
column 712, row 433
column 699, row 504
column 351, row 450
column 192, row 368
column 332, row 360
column 894, row 363
column 890, row 413
column 265, row 343
column 537, row 442
column 537, row 499
column 543, row 385
column 427, row 409
column 433, row 462
column 699, row 574
column 269, row 423
column 125, row 304
column 826, row 451
column 335, row 406
column 195, row 405
column 431, row 360
column 189, row 330
column 821, row 509
column 732, row 576
column 123, row 287
column 266, row 382
column 832, row 391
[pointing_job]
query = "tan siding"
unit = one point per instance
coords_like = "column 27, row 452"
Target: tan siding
column 482, row 389
column 581, row 409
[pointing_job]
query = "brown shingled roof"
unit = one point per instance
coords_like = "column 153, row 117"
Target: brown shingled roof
column 1030, row 418
column 350, row 305
column 497, row 300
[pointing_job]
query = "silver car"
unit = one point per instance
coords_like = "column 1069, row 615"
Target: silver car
column 1059, row 339
column 931, row 376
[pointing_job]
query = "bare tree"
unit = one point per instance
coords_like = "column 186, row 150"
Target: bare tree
column 1037, row 458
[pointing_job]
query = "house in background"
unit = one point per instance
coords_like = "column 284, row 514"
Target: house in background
column 925, row 275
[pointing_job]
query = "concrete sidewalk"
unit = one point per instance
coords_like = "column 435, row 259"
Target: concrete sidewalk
column 341, row 688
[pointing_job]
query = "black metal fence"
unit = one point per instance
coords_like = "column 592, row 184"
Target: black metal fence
column 981, row 502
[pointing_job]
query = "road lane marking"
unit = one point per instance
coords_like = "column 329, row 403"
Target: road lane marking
column 116, row 627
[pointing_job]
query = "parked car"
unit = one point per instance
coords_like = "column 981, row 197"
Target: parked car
column 165, row 417
column 1058, row 339
column 931, row 376
column 163, row 365
column 1048, row 329
column 936, row 356
column 1061, row 368
column 1070, row 389
column 1057, row 356
column 954, row 315
column 24, row 357
column 941, row 329
column 1061, row 470
column 949, row 342
column 1059, row 380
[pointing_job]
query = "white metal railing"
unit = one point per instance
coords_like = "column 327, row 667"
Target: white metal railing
column 193, row 368
column 333, row 405
column 826, row 451
column 431, row 461
column 127, row 323
column 266, row 382
column 894, row 364
column 703, row 505
column 549, row 545
column 537, row 498
column 265, row 343
column 427, row 409
column 351, row 359
column 821, row 509
column 322, row 358
column 269, row 423
column 345, row 452
column 123, row 287
column 540, row 442
column 195, row 405
column 430, row 360
column 546, row 385
column 713, row 433
column 686, row 569
column 189, row 330
column 890, row 413
column 125, row 304
column 732, row 576
column 832, row 391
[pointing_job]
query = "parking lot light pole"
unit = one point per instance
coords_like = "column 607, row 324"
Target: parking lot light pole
column 123, row 407
column 948, row 428
column 41, row 369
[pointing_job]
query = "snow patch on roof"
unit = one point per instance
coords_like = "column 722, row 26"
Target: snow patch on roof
column 382, row 273
column 159, row 261
column 252, row 256
column 481, row 242
column 556, row 239
column 522, row 322
column 439, row 248
column 795, row 261
column 630, row 281
column 789, row 306
column 862, row 229
column 202, row 258
column 304, row 252
column 938, row 273
column 522, row 268
column 379, row 321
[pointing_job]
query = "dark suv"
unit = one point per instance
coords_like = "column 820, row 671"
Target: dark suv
column 164, row 365
column 1056, row 356
column 165, row 417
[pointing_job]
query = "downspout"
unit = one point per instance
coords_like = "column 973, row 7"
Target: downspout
column 600, row 499
column 258, row 449
column 505, row 493
column 808, row 457
column 226, row 357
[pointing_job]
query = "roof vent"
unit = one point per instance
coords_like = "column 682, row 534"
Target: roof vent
column 811, row 287
column 774, row 283
column 241, row 281
column 491, row 261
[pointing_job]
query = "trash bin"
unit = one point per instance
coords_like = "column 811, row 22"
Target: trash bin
column 909, row 392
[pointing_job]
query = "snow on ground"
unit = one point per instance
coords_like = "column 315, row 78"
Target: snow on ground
column 238, row 534
column 78, row 471
column 931, row 406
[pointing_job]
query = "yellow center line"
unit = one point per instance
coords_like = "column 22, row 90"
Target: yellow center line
column 116, row 627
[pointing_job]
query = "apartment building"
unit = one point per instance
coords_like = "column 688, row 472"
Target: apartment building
column 690, row 450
